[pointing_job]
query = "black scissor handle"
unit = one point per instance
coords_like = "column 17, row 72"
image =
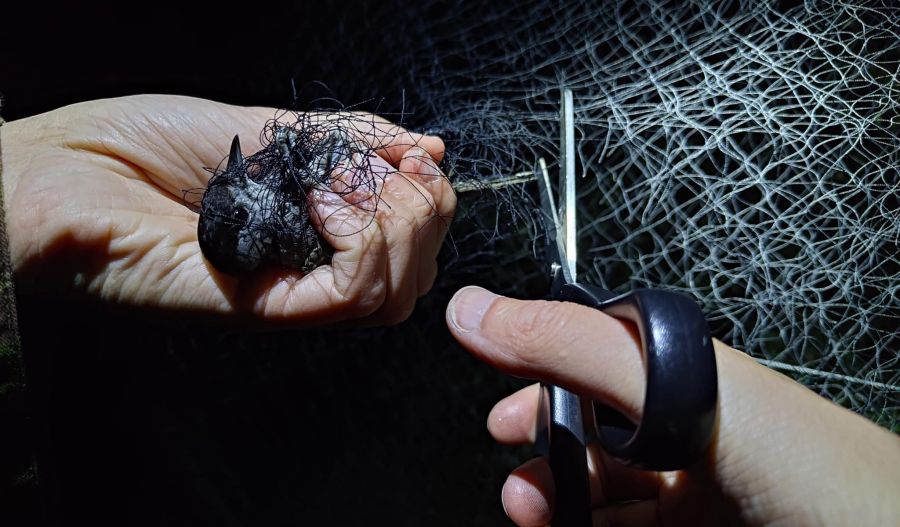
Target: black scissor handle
column 680, row 400
column 560, row 437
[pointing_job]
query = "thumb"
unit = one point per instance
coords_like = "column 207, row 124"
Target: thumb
column 576, row 347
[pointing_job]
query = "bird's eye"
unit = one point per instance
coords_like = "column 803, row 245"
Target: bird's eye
column 240, row 215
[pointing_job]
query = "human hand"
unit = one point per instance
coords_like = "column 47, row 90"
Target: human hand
column 94, row 206
column 781, row 454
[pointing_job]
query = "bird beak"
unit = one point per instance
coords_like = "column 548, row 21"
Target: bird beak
column 235, row 158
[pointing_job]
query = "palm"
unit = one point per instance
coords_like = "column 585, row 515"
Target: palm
column 141, row 227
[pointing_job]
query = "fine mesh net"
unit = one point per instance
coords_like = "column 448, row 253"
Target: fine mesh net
column 743, row 152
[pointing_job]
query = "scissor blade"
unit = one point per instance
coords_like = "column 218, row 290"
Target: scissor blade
column 548, row 202
column 567, row 229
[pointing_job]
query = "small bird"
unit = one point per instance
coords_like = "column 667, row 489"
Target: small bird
column 256, row 211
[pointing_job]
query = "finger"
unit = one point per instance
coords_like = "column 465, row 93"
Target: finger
column 352, row 286
column 399, row 222
column 638, row 514
column 390, row 199
column 434, row 203
column 564, row 344
column 374, row 187
column 512, row 420
column 422, row 168
column 527, row 494
column 528, row 497
column 389, row 140
column 360, row 181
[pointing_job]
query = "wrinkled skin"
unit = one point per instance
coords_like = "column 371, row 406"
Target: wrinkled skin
column 95, row 209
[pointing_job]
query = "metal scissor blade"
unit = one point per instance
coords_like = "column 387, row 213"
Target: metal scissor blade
column 551, row 213
column 548, row 202
column 561, row 234
column 567, row 228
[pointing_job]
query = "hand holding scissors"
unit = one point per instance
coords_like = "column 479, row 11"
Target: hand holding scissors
column 681, row 390
column 777, row 445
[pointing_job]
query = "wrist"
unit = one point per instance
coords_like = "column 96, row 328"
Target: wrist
column 14, row 163
column 27, row 192
column 781, row 445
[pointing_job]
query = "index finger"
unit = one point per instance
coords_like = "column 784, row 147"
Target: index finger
column 388, row 140
column 513, row 421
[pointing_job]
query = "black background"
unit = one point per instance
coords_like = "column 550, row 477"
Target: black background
column 58, row 55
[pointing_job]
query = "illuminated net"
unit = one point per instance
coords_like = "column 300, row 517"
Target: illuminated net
column 745, row 153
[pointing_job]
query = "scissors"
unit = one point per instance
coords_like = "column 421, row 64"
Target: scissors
column 681, row 391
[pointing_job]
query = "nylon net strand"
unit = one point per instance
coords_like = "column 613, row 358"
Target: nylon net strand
column 745, row 153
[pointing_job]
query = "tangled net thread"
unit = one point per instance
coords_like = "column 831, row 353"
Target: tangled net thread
column 257, row 209
column 743, row 152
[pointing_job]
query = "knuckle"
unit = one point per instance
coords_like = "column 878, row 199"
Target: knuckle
column 414, row 163
column 399, row 234
column 374, row 297
column 371, row 293
column 424, row 208
column 365, row 299
column 365, row 290
column 442, row 195
column 374, row 240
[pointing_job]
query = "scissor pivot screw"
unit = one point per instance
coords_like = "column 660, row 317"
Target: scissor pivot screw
column 554, row 269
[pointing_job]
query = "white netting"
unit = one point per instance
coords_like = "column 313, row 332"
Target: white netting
column 745, row 152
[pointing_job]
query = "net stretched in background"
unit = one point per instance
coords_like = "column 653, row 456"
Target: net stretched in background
column 743, row 152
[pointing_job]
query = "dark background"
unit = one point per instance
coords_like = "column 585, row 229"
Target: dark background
column 146, row 424
column 54, row 56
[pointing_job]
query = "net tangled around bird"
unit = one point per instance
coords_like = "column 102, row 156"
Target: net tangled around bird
column 257, row 210
column 743, row 152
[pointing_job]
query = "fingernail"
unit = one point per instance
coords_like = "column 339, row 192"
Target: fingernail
column 416, row 151
column 468, row 307
column 427, row 172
